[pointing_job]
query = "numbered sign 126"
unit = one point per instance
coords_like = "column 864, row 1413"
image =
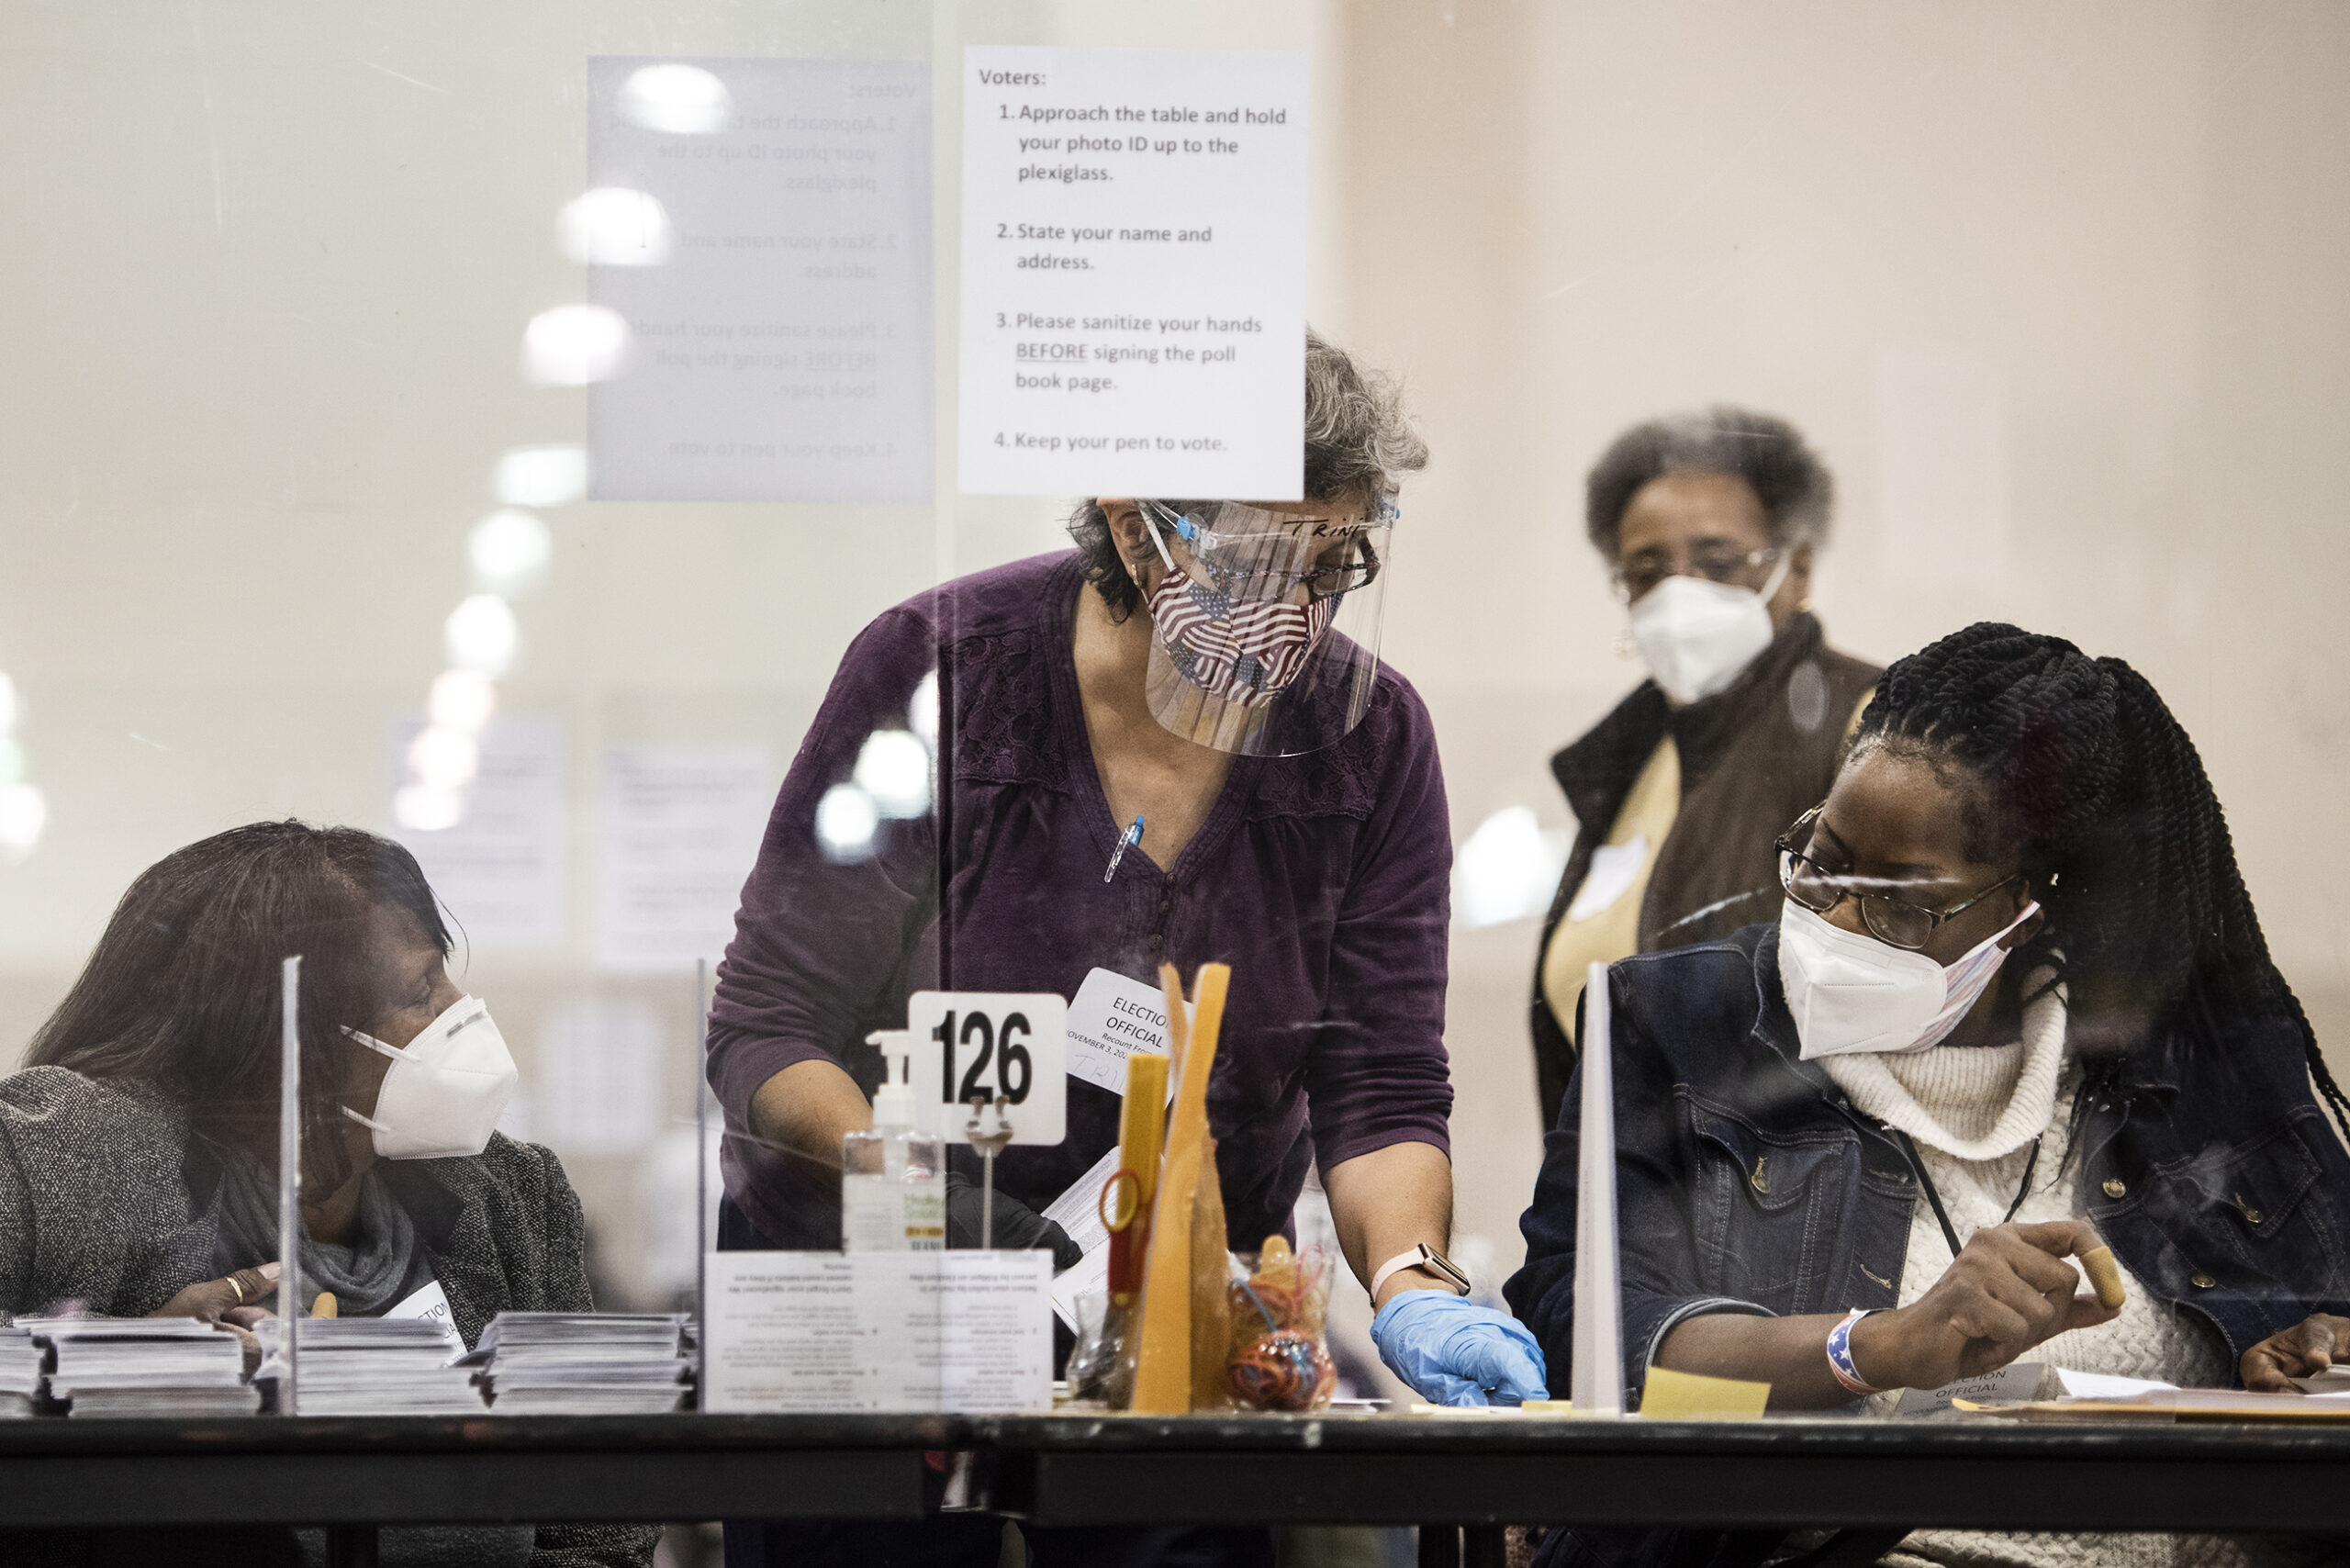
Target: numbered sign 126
column 1014, row 1044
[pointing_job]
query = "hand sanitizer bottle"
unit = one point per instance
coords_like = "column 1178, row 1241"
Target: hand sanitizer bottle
column 893, row 1177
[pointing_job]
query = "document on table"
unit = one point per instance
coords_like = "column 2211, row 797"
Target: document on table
column 764, row 233
column 1133, row 273
column 878, row 1331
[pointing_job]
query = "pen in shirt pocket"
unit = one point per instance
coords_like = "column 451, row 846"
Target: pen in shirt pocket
column 1126, row 840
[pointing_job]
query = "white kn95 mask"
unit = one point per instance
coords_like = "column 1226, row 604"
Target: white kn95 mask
column 443, row 1094
column 1851, row 993
column 1696, row 635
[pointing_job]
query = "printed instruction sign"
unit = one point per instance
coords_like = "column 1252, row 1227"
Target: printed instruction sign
column 763, row 228
column 967, row 1332
column 1133, row 273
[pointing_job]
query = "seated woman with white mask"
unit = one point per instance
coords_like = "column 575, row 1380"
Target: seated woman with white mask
column 1710, row 524
column 2017, row 1006
column 140, row 1138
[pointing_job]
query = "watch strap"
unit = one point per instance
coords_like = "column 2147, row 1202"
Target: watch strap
column 1421, row 1256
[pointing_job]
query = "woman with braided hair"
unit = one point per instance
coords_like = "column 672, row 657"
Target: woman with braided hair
column 2017, row 1007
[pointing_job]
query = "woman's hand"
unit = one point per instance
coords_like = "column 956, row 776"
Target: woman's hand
column 2303, row 1351
column 238, row 1300
column 2008, row 1289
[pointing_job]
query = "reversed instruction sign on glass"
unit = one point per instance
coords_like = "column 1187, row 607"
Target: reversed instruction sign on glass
column 1133, row 273
column 681, row 826
column 878, row 1331
column 499, row 867
column 763, row 228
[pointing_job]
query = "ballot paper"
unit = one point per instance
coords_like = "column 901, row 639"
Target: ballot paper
column 145, row 1366
column 584, row 1363
column 370, row 1366
column 21, row 1368
column 958, row 1331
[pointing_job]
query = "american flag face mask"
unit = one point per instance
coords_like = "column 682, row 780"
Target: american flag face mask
column 1245, row 605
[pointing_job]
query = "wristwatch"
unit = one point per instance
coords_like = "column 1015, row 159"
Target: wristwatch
column 1422, row 1256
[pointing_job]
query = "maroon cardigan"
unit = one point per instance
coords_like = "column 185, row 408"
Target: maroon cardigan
column 1321, row 879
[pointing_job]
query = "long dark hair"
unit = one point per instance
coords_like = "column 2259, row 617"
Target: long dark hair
column 2074, row 766
column 181, row 991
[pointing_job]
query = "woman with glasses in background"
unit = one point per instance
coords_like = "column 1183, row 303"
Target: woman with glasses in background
column 2017, row 1006
column 1709, row 523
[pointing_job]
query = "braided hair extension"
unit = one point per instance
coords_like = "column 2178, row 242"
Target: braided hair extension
column 2076, row 768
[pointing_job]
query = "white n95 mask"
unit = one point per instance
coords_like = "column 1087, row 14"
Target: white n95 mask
column 444, row 1092
column 1696, row 635
column 1851, row 993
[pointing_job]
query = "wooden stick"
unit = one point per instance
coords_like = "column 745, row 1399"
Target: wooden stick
column 1163, row 1374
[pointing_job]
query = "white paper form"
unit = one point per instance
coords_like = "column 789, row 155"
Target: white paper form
column 1133, row 273
column 680, row 828
column 781, row 352
column 500, row 869
column 781, row 1332
column 885, row 1331
column 597, row 1087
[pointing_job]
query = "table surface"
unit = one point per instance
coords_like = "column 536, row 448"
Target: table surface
column 1096, row 1468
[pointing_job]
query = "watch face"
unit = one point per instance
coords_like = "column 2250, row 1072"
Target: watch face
column 1448, row 1268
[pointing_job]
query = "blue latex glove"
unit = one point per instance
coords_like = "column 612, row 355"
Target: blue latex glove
column 1456, row 1352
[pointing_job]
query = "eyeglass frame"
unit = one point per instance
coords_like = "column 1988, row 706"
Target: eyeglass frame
column 1788, row 854
column 1221, row 577
column 1749, row 562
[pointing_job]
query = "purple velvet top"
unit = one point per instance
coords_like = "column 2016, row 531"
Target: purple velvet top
column 1321, row 879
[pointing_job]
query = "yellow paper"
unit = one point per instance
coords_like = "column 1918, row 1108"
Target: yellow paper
column 1685, row 1396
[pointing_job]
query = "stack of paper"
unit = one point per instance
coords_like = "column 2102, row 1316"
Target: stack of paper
column 145, row 1366
column 584, row 1363
column 20, row 1364
column 373, row 1366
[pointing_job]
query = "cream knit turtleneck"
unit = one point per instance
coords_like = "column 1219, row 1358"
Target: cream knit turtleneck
column 1973, row 1111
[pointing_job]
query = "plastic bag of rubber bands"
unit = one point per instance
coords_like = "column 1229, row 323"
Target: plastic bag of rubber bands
column 1280, row 1358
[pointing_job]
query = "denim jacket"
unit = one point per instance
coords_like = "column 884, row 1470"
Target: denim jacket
column 1747, row 1182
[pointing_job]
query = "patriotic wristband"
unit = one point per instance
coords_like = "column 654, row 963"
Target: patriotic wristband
column 1840, row 1353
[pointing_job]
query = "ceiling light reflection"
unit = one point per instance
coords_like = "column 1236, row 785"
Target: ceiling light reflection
column 23, row 813
column 481, row 636
column 421, row 808
column 572, row 345
column 509, row 551
column 922, row 712
column 7, row 704
column 894, row 768
column 845, row 821
column 1508, row 869
column 540, row 476
column 442, row 759
column 463, row 701
column 612, row 225
column 684, row 100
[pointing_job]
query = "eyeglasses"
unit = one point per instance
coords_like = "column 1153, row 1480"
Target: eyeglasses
column 1251, row 582
column 1895, row 922
column 1718, row 564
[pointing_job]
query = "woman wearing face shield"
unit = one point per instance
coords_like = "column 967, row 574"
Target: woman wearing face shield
column 1709, row 523
column 1207, row 670
column 141, row 1135
column 2017, row 1007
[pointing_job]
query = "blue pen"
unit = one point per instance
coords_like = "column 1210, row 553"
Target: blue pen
column 1132, row 836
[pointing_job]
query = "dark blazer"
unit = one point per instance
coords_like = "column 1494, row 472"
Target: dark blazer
column 1747, row 1182
column 1754, row 757
column 102, row 1203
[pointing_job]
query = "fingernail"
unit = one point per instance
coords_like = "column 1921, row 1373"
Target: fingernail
column 271, row 1270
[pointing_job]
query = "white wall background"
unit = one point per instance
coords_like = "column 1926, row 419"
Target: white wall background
column 2057, row 291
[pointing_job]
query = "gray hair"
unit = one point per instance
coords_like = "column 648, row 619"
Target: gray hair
column 1358, row 443
column 1768, row 452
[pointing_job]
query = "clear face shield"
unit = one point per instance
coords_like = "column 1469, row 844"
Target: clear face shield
column 1265, row 623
